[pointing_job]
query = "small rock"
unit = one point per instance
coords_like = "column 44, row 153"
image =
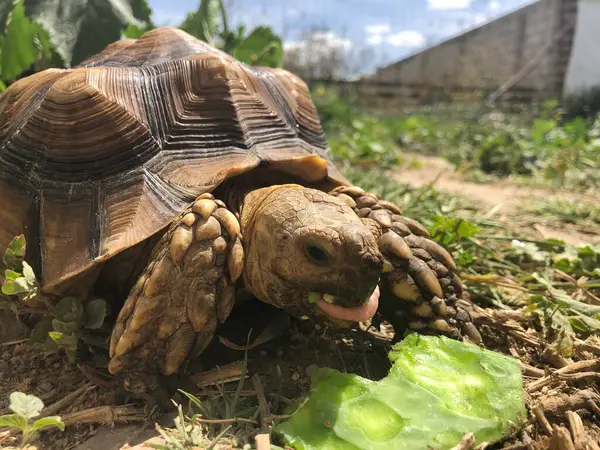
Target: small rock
column 44, row 387
column 295, row 376
column 310, row 369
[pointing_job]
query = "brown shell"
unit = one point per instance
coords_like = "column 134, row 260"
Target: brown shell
column 98, row 158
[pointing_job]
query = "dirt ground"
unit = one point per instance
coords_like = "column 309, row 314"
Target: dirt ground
column 503, row 199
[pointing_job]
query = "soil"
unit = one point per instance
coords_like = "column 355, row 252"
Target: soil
column 503, row 199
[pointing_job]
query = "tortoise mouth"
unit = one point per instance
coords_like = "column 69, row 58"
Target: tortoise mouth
column 327, row 304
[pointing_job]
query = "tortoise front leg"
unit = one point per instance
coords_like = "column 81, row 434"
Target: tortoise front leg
column 185, row 291
column 420, row 289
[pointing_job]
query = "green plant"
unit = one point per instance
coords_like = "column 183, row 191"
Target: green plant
column 61, row 324
column 210, row 22
column 223, row 411
column 35, row 34
column 25, row 408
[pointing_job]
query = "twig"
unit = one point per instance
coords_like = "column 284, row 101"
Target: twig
column 263, row 441
column 531, row 371
column 67, row 400
column 561, row 439
column 538, row 412
column 263, row 406
column 467, row 442
column 222, row 421
column 567, row 373
column 559, row 404
column 105, row 415
column 7, row 344
column 226, row 374
column 580, row 436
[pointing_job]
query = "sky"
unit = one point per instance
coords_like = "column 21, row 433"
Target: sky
column 385, row 30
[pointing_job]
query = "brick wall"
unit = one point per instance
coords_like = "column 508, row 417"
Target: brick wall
column 488, row 56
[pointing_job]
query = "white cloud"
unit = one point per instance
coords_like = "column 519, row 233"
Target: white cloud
column 321, row 40
column 374, row 39
column 494, row 6
column 377, row 29
column 409, row 38
column 480, row 18
column 449, row 4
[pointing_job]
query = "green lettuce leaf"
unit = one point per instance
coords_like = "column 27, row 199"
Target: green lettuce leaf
column 437, row 390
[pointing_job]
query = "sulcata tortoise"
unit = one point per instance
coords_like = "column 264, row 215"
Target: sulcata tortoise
column 172, row 176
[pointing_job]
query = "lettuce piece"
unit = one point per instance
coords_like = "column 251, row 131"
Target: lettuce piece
column 437, row 390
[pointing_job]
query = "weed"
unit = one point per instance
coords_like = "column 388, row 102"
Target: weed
column 60, row 323
column 549, row 148
column 25, row 408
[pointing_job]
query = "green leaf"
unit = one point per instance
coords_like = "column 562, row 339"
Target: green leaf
column 64, row 340
column 11, row 275
column 17, row 286
column 437, row 390
column 40, row 331
column 80, row 29
column 67, row 342
column 134, row 32
column 13, row 420
column 16, row 249
column 18, row 50
column 26, row 405
column 28, row 274
column 68, row 309
column 262, row 47
column 49, row 422
column 95, row 312
column 204, row 22
column 64, row 327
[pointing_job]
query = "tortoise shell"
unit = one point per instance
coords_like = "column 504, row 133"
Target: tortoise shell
column 98, row 158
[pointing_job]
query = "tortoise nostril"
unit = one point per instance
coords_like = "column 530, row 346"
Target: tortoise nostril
column 316, row 254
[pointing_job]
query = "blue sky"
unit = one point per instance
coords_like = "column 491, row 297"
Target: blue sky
column 388, row 29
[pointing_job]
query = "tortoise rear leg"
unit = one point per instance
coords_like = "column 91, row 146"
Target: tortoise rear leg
column 420, row 289
column 186, row 290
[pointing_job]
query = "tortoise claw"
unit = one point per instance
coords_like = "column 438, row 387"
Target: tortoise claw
column 185, row 291
column 419, row 289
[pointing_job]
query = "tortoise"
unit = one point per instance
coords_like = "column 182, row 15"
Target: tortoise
column 166, row 172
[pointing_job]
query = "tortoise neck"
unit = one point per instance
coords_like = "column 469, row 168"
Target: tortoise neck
column 234, row 190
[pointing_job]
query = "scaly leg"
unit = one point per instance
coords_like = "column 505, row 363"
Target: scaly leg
column 420, row 289
column 187, row 289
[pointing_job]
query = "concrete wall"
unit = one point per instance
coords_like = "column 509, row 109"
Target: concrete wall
column 488, row 56
column 584, row 67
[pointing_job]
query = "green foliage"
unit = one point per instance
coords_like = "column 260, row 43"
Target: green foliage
column 25, row 408
column 35, row 34
column 261, row 47
column 584, row 104
column 548, row 149
column 354, row 137
column 437, row 390
column 19, row 42
column 556, row 209
column 63, row 322
column 63, row 325
column 79, row 30
column 210, row 22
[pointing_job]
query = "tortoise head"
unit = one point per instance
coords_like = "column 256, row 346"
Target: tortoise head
column 308, row 253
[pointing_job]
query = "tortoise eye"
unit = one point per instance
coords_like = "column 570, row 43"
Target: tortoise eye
column 316, row 254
